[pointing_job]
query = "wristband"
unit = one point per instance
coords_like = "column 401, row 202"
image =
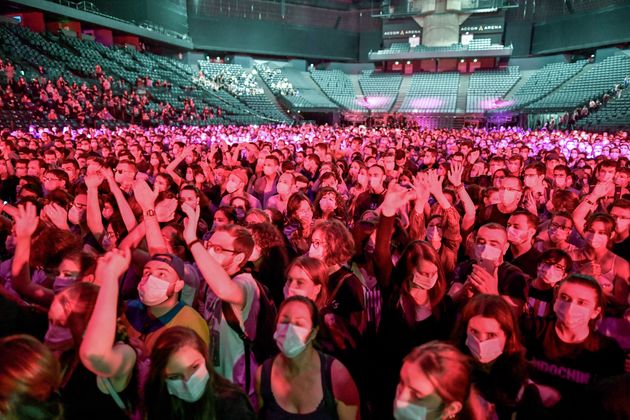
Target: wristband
column 150, row 212
column 588, row 200
column 196, row 241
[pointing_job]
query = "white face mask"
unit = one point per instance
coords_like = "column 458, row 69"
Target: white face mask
column 292, row 291
column 317, row 253
column 219, row 258
column 509, row 197
column 57, row 334
column 558, row 235
column 516, row 236
column 596, row 240
column 434, row 234
column 404, row 410
column 154, row 291
column 484, row 351
column 75, row 216
column 326, row 204
column 487, row 252
column 282, row 188
column 550, row 275
column 423, row 282
column 572, row 315
column 291, row 339
column 192, row 389
column 231, row 186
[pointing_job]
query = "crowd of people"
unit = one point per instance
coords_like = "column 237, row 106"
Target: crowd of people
column 278, row 84
column 54, row 100
column 315, row 272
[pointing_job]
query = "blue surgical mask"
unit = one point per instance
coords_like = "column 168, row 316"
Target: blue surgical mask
column 404, row 410
column 192, row 389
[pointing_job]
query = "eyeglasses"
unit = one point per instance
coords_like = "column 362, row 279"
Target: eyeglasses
column 317, row 244
column 218, row 248
column 558, row 266
column 50, row 179
column 559, row 226
column 80, row 206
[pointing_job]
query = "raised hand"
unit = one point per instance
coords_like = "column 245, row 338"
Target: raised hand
column 396, row 197
column 601, row 189
column 57, row 215
column 26, row 220
column 93, row 180
column 165, row 210
column 190, row 222
column 434, row 182
column 455, row 174
column 144, row 195
column 483, row 281
column 113, row 264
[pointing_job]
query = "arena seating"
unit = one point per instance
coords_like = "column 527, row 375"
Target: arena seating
column 380, row 90
column 615, row 114
column 338, row 86
column 544, row 81
column 432, row 93
column 593, row 83
column 488, row 87
column 475, row 45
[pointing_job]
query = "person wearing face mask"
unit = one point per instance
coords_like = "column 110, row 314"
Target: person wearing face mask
column 487, row 272
column 284, row 189
column 435, row 383
column 299, row 223
column 229, row 293
column 308, row 277
column 82, row 397
column 235, row 187
column 557, row 234
column 181, row 382
column 510, row 193
column 329, row 204
column 265, row 185
column 414, row 307
column 301, row 382
column 373, row 197
column 521, row 228
column 534, row 181
column 269, row 257
column 488, row 332
column 620, row 211
column 566, row 355
column 554, row 265
column 595, row 259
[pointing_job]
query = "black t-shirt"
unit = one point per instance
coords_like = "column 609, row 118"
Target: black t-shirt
column 622, row 248
column 8, row 189
column 539, row 302
column 528, row 262
column 569, row 368
column 367, row 201
column 492, row 214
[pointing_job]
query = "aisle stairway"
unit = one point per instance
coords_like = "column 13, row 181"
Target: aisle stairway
column 462, row 93
column 404, row 88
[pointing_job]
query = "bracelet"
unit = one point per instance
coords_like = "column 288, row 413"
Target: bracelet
column 588, row 200
column 196, row 241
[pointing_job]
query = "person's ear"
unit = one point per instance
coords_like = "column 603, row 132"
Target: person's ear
column 239, row 258
column 596, row 313
column 317, row 289
column 452, row 409
column 178, row 286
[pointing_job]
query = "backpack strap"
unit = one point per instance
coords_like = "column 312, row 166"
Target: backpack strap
column 113, row 393
column 331, row 296
column 234, row 323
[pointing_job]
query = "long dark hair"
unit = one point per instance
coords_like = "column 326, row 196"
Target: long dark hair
column 160, row 404
column 411, row 257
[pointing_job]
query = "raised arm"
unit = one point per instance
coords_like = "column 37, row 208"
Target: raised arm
column 395, row 198
column 26, row 223
column 589, row 204
column 129, row 219
column 417, row 225
column 213, row 273
column 93, row 213
column 99, row 352
column 455, row 177
column 170, row 169
column 145, row 196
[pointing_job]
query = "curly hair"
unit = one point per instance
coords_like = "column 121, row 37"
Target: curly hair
column 339, row 241
column 266, row 235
